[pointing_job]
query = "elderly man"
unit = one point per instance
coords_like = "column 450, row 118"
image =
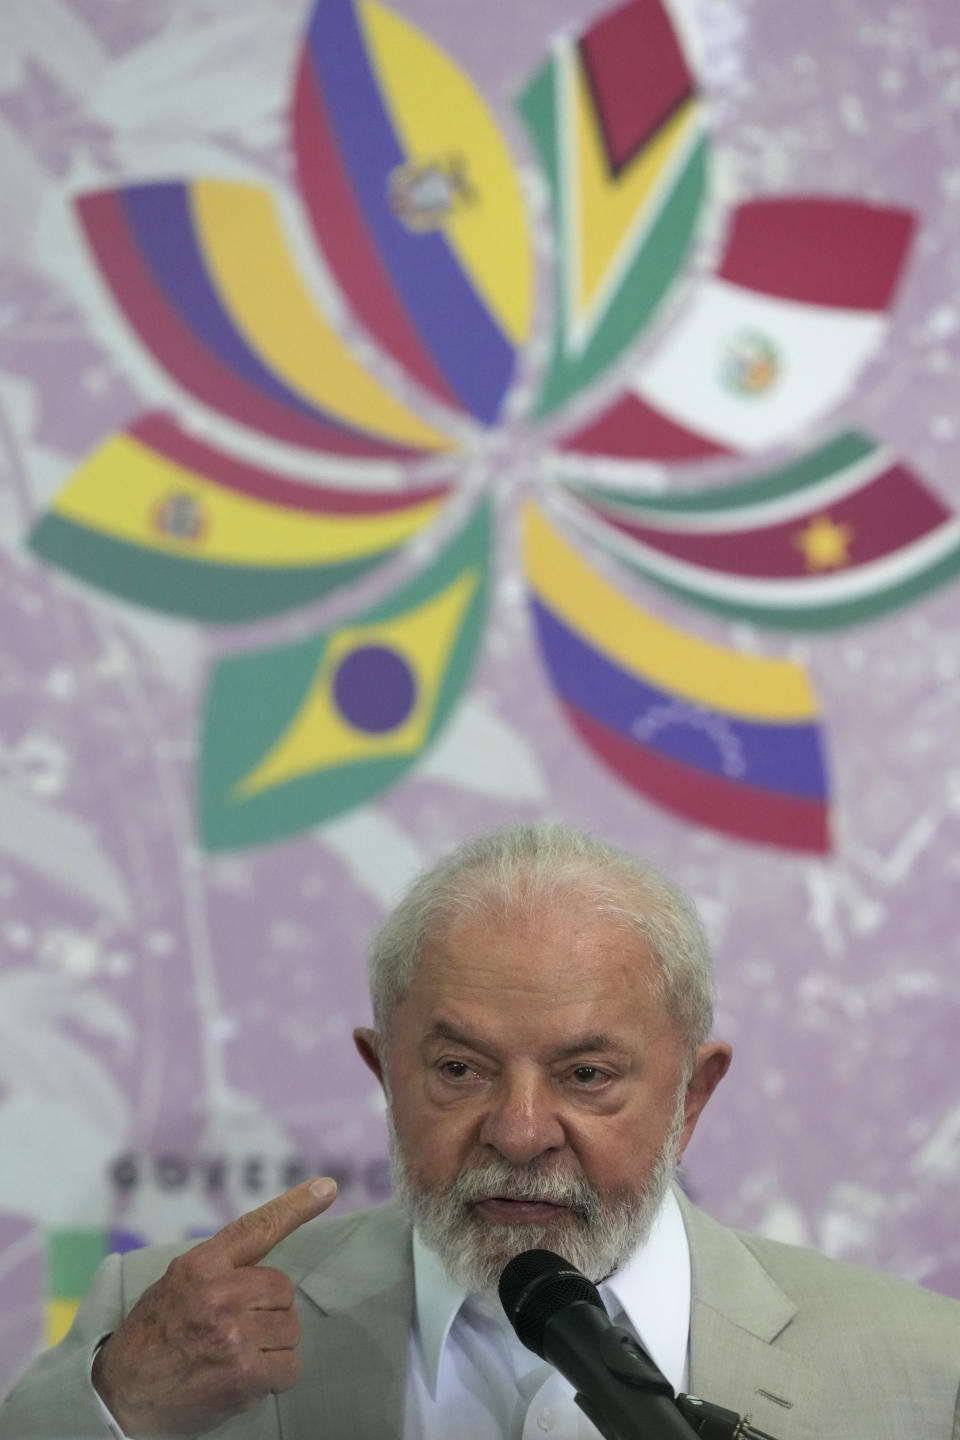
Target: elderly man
column 542, row 1005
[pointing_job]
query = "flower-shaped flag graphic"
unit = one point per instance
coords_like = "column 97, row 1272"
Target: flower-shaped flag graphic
column 415, row 206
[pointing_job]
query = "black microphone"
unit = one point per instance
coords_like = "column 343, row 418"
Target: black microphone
column 558, row 1314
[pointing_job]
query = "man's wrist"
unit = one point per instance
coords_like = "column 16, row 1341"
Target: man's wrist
column 95, row 1367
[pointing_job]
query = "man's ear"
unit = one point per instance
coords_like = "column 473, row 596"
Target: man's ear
column 368, row 1048
column 713, row 1062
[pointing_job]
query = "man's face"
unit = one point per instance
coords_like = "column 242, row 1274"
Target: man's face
column 535, row 1088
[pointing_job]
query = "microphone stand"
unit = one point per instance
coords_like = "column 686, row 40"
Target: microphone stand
column 713, row 1422
column 640, row 1403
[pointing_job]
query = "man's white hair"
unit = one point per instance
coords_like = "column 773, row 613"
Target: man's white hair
column 511, row 874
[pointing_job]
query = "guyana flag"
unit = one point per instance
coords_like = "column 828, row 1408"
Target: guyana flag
column 295, row 735
column 842, row 535
column 619, row 128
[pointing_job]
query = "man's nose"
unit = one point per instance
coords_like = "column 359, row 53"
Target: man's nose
column 522, row 1119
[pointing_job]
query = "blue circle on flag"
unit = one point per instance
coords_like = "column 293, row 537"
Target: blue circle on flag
column 374, row 689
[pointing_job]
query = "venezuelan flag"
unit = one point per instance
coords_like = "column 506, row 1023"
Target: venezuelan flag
column 295, row 735
column 619, row 129
column 72, row 1257
column 168, row 521
column 728, row 740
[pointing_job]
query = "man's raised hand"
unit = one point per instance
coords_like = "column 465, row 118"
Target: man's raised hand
column 216, row 1333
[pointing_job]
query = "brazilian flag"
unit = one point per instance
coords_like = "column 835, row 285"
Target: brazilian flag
column 295, row 735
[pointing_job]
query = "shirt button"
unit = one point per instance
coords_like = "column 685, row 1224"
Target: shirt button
column 546, row 1419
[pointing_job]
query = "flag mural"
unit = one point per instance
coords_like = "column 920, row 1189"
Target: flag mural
column 407, row 190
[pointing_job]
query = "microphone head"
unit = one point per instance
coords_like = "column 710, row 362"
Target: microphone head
column 534, row 1286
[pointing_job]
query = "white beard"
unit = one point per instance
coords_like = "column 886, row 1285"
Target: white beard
column 596, row 1233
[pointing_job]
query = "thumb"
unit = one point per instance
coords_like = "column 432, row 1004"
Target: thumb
column 248, row 1238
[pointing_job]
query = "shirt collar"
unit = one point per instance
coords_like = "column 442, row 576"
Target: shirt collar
column 651, row 1292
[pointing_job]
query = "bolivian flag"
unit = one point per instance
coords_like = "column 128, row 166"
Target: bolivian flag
column 295, row 735
column 844, row 534
column 165, row 520
column 728, row 740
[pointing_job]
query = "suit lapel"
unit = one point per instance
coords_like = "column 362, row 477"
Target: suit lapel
column 739, row 1313
column 355, row 1319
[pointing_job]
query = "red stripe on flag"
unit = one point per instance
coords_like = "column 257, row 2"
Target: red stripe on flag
column 787, row 821
column 637, row 75
column 163, row 435
column 892, row 511
column 342, row 232
column 823, row 252
column 632, row 430
column 187, row 359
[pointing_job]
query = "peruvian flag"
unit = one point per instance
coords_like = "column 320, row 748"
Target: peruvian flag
column 771, row 342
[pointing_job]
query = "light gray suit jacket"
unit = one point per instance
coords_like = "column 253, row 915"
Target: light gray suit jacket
column 809, row 1348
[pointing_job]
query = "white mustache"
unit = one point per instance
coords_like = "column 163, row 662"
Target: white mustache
column 506, row 1182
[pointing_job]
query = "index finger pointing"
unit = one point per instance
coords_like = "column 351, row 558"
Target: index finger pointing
column 248, row 1238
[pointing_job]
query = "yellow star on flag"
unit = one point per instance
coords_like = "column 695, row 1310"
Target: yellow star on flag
column 824, row 543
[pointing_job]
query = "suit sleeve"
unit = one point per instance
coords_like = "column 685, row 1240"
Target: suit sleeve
column 55, row 1399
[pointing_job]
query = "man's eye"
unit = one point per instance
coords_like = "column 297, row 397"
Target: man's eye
column 455, row 1069
column 588, row 1076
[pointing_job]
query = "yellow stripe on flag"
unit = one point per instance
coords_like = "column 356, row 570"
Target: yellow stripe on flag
column 319, row 737
column 754, row 687
column 60, row 1316
column 127, row 490
column 251, row 261
column 440, row 117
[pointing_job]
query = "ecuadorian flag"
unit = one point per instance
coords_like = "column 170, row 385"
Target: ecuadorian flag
column 414, row 200
column 728, row 740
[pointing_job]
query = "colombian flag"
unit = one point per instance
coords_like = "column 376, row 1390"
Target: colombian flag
column 205, row 274
column 728, row 740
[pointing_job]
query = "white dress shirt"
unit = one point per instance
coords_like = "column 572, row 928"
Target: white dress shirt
column 469, row 1377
